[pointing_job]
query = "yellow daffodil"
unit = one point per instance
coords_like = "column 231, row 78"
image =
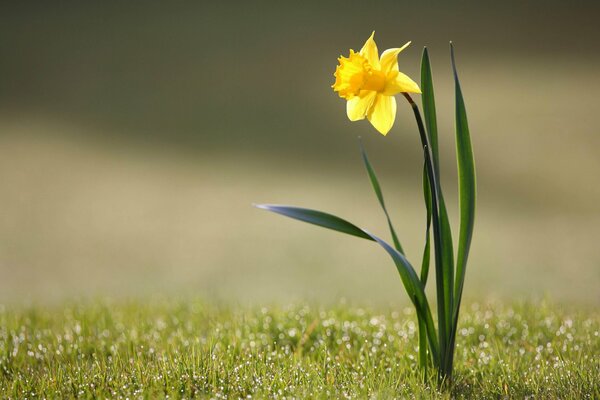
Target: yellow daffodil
column 370, row 83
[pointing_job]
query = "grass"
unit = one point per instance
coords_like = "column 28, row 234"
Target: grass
column 186, row 349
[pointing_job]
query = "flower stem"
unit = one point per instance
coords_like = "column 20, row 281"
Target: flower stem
column 444, row 370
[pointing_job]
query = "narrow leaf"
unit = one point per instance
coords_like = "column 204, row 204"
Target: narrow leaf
column 428, row 100
column 317, row 218
column 446, row 245
column 437, row 242
column 407, row 273
column 466, row 197
column 379, row 194
column 423, row 338
column 441, row 279
column 466, row 185
column 447, row 260
column 422, row 344
column 410, row 280
column 427, row 250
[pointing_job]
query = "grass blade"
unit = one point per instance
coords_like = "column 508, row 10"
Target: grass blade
column 410, row 280
column 379, row 194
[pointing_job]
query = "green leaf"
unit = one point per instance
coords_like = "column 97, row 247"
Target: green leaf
column 426, row 253
column 379, row 194
column 422, row 344
column 447, row 260
column 441, row 222
column 317, row 218
column 443, row 327
column 466, row 185
column 427, row 250
column 418, row 298
column 466, row 197
column 441, row 278
column 410, row 280
column 428, row 100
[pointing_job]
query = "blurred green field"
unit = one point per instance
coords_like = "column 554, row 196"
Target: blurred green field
column 133, row 141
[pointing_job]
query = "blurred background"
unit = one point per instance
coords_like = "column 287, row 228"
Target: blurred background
column 134, row 138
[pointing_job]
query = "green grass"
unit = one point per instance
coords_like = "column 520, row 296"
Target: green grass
column 194, row 349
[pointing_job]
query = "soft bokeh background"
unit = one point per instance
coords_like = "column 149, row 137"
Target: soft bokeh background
column 135, row 137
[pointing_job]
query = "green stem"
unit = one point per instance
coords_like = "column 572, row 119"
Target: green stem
column 441, row 295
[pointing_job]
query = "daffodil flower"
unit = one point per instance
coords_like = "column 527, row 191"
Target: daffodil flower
column 370, row 83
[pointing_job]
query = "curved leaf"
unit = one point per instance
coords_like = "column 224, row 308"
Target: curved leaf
column 379, row 194
column 466, row 184
column 410, row 280
column 427, row 250
column 317, row 218
column 443, row 284
column 442, row 222
column 428, row 100
column 466, row 197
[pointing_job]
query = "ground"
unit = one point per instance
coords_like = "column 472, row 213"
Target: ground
column 193, row 348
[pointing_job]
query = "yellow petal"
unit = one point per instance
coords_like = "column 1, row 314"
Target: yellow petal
column 383, row 113
column 369, row 51
column 358, row 106
column 397, row 82
column 389, row 58
column 350, row 75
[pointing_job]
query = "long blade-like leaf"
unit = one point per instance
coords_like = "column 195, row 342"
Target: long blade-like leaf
column 419, row 299
column 446, row 246
column 422, row 344
column 409, row 277
column 427, row 250
column 379, row 194
column 425, row 271
column 466, row 185
column 428, row 100
column 440, row 272
column 466, row 197
column 447, row 259
column 317, row 218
